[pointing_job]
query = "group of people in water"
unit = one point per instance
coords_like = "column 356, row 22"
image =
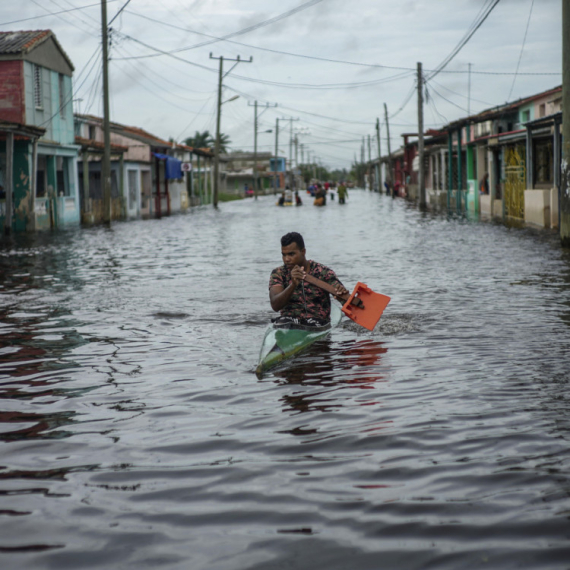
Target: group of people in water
column 318, row 191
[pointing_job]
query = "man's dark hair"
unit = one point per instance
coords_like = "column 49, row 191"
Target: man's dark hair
column 293, row 237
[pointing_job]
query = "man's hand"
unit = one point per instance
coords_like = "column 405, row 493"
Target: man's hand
column 339, row 292
column 297, row 275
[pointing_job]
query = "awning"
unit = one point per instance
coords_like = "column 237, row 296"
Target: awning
column 173, row 170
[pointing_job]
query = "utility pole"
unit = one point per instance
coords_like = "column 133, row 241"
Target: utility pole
column 276, row 152
column 564, row 201
column 296, row 141
column 469, row 90
column 291, row 119
column 421, row 174
column 379, row 155
column 255, row 173
column 106, row 164
column 389, row 169
column 369, row 164
column 255, row 153
column 218, row 119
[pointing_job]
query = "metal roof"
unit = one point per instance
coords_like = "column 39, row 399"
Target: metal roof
column 22, row 42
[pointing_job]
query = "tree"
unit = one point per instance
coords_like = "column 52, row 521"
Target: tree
column 206, row 140
column 224, row 142
column 200, row 140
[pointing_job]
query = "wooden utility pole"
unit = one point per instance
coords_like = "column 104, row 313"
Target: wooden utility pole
column 218, row 120
column 469, row 90
column 255, row 184
column 564, row 201
column 369, row 169
column 255, row 129
column 276, row 154
column 106, row 164
column 389, row 169
column 379, row 169
column 421, row 174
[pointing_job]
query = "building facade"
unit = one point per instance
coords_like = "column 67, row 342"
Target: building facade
column 38, row 155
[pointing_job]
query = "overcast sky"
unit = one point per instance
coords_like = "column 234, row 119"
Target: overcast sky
column 336, row 103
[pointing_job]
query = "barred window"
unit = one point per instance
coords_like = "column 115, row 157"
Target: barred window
column 38, row 96
column 62, row 101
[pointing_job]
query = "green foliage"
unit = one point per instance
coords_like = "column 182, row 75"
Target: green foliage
column 207, row 140
column 200, row 140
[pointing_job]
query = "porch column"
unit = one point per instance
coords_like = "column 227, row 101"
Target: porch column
column 33, row 183
column 86, row 199
column 157, row 198
column 124, row 199
column 9, row 182
column 199, row 181
column 459, row 173
column 529, row 160
column 557, row 163
column 449, row 167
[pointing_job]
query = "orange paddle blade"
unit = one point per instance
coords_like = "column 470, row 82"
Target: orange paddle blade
column 374, row 305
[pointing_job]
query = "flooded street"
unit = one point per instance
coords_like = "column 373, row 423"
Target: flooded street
column 135, row 433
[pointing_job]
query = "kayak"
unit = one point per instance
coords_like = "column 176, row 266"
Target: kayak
column 285, row 341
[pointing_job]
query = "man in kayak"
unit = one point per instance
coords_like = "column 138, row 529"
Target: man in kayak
column 298, row 301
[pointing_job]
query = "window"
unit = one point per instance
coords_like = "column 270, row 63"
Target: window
column 38, row 96
column 62, row 97
column 542, row 110
column 525, row 116
column 132, row 181
column 62, row 176
column 91, row 132
column 41, row 184
column 544, row 172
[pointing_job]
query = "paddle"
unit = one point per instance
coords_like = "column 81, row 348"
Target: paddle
column 363, row 306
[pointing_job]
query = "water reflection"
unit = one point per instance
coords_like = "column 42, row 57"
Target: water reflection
column 332, row 366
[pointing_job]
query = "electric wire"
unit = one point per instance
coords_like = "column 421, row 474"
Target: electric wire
column 468, row 35
column 522, row 49
column 251, row 28
column 304, row 56
column 55, row 13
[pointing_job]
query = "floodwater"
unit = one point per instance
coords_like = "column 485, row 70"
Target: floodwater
column 135, row 434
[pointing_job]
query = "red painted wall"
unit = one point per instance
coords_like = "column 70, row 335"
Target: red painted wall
column 12, row 98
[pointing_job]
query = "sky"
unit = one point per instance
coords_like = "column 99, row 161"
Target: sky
column 330, row 65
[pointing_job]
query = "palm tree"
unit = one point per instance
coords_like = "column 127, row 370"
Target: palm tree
column 205, row 139
column 200, row 140
column 224, row 142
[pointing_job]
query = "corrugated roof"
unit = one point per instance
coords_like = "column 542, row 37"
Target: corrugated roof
column 22, row 42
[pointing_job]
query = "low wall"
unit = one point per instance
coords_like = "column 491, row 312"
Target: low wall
column 554, row 207
column 485, row 204
column 497, row 208
column 537, row 208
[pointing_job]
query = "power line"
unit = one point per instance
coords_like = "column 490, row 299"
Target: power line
column 54, row 13
column 522, row 49
column 291, row 54
column 468, row 35
column 248, row 29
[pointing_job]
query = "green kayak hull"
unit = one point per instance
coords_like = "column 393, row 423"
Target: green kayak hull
column 280, row 344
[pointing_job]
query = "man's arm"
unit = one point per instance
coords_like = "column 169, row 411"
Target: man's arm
column 279, row 296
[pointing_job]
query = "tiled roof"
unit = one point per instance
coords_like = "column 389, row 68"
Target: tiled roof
column 22, row 42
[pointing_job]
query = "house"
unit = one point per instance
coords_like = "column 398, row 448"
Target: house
column 502, row 162
column 147, row 178
column 240, row 173
column 38, row 155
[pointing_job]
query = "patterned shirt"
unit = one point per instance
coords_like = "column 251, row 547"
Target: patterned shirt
column 315, row 303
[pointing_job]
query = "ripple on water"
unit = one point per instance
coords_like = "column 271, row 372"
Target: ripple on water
column 135, row 434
